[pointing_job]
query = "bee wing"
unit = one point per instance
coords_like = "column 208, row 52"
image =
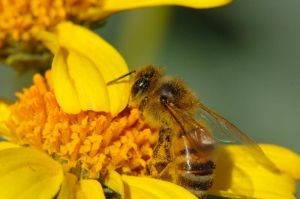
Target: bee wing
column 234, row 133
column 198, row 136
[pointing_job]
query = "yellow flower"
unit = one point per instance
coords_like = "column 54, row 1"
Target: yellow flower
column 84, row 146
column 28, row 173
column 79, row 150
column 92, row 141
column 236, row 176
column 20, row 20
column 74, row 148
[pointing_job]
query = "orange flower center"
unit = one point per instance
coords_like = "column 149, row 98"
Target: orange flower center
column 19, row 19
column 94, row 142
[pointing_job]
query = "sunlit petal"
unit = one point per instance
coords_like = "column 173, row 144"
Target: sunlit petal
column 285, row 159
column 238, row 174
column 66, row 94
column 145, row 187
column 82, row 66
column 49, row 40
column 105, row 59
column 72, row 188
column 28, row 173
column 117, row 5
column 90, row 189
column 88, row 82
column 7, row 145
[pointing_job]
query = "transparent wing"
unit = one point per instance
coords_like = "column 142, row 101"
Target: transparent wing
column 233, row 133
column 198, row 135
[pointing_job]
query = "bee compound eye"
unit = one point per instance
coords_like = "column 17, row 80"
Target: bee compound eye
column 140, row 86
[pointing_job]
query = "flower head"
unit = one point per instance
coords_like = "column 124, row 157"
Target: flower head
column 83, row 149
column 93, row 141
column 21, row 20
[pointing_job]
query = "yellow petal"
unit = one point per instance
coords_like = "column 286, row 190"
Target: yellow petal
column 90, row 189
column 109, row 7
column 7, row 145
column 106, row 60
column 28, row 173
column 81, row 68
column 285, row 159
column 238, row 174
column 65, row 92
column 145, row 187
column 137, row 193
column 117, row 5
column 72, row 188
column 88, row 83
column 4, row 115
column 4, row 110
column 68, row 187
column 48, row 39
column 114, row 181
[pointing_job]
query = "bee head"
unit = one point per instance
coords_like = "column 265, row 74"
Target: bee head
column 144, row 80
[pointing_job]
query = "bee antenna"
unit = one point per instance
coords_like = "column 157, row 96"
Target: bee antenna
column 121, row 77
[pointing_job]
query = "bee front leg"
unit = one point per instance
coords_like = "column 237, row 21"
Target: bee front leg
column 143, row 104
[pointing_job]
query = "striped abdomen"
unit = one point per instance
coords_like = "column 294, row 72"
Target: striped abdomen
column 194, row 166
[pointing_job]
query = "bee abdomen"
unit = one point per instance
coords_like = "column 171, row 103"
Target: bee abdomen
column 197, row 183
column 194, row 167
column 197, row 177
column 204, row 149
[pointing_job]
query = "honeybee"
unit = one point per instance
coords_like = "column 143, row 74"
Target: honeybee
column 184, row 153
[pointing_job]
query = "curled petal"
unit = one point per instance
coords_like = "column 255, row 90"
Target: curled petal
column 286, row 160
column 82, row 66
column 28, row 173
column 49, row 40
column 239, row 175
column 106, row 60
column 66, row 94
column 116, row 5
column 145, row 187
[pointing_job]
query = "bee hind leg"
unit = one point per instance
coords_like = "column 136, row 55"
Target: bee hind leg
column 162, row 160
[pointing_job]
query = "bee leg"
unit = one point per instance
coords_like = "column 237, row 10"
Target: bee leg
column 143, row 103
column 162, row 155
column 168, row 173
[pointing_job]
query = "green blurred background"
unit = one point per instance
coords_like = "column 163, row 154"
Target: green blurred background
column 243, row 60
